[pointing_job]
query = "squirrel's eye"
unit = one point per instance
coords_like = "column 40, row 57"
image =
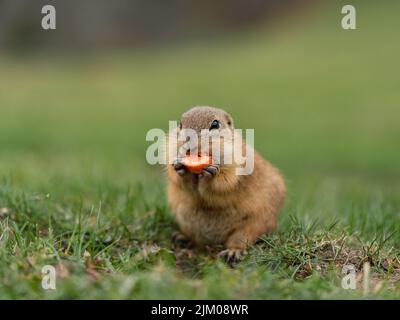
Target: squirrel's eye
column 214, row 125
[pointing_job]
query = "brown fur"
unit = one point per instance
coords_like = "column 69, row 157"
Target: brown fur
column 227, row 209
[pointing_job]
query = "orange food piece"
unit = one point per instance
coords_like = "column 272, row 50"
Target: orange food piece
column 196, row 163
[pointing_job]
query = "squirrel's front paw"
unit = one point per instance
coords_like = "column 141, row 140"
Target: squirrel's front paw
column 181, row 240
column 210, row 171
column 179, row 167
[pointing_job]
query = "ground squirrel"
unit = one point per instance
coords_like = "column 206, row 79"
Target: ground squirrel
column 218, row 206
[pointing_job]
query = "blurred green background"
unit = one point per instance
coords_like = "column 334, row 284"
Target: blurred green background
column 324, row 103
column 321, row 99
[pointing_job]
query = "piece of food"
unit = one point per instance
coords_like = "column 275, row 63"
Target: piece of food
column 196, row 163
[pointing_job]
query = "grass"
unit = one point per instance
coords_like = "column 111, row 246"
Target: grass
column 76, row 192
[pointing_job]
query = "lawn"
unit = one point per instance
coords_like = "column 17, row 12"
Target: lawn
column 76, row 192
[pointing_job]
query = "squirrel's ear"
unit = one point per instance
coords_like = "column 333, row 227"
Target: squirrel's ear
column 229, row 120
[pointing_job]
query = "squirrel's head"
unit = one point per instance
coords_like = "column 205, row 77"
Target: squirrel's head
column 206, row 118
column 212, row 129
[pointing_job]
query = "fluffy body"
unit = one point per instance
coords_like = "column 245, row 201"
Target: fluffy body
column 222, row 207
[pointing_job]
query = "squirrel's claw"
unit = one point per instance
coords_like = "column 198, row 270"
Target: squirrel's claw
column 231, row 255
column 179, row 167
column 180, row 240
column 210, row 171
